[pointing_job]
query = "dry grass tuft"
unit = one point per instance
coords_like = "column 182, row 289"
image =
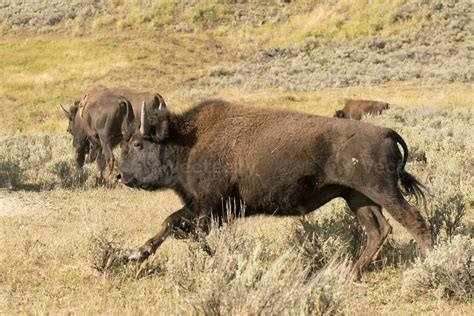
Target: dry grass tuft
column 107, row 255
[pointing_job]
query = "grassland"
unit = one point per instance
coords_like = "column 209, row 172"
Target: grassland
column 55, row 233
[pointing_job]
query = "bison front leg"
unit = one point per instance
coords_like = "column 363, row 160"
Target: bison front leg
column 80, row 159
column 100, row 167
column 179, row 223
column 109, row 161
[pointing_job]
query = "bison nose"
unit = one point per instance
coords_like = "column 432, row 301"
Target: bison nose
column 118, row 177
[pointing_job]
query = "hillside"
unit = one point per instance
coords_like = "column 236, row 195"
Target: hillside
column 190, row 50
column 62, row 239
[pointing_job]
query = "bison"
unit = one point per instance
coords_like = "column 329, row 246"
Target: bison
column 274, row 162
column 355, row 109
column 96, row 97
column 96, row 123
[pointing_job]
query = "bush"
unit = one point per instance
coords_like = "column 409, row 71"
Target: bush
column 10, row 174
column 447, row 272
column 320, row 241
column 238, row 278
column 40, row 161
column 445, row 214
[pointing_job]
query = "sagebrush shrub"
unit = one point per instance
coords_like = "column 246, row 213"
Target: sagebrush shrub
column 447, row 272
column 239, row 279
column 445, row 215
column 320, row 241
column 10, row 174
column 43, row 161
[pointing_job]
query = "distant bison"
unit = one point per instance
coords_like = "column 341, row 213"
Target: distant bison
column 355, row 109
column 96, row 123
column 275, row 162
column 90, row 109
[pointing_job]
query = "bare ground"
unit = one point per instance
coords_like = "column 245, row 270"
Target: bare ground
column 22, row 203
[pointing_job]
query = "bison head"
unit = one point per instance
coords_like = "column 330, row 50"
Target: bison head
column 74, row 128
column 75, row 125
column 146, row 159
column 340, row 114
column 71, row 116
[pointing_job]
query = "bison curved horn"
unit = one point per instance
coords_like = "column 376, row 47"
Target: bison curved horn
column 144, row 127
column 162, row 104
column 66, row 112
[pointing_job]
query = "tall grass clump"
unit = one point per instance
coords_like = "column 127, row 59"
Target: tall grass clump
column 235, row 276
column 447, row 272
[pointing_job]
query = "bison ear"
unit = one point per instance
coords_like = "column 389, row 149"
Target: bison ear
column 162, row 126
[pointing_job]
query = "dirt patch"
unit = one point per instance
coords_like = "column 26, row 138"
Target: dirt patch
column 12, row 204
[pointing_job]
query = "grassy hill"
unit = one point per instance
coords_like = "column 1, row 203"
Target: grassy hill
column 57, row 235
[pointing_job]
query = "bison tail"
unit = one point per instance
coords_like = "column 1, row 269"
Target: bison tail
column 410, row 185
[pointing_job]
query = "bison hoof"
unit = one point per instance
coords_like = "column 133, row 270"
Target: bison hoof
column 138, row 256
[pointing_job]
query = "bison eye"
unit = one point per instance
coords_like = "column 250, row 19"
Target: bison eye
column 137, row 144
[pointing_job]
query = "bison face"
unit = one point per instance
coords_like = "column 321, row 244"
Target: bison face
column 142, row 163
column 71, row 116
column 145, row 159
column 74, row 128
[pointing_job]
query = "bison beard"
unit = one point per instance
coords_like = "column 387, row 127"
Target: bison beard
column 278, row 162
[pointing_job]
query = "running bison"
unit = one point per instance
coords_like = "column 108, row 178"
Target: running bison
column 355, row 109
column 273, row 162
column 96, row 123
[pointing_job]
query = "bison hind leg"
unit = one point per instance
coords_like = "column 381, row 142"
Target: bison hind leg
column 369, row 214
column 410, row 218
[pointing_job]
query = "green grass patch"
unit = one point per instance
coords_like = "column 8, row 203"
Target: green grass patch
column 351, row 19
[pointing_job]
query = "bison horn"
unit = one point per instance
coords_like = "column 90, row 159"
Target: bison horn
column 162, row 104
column 144, row 127
column 66, row 112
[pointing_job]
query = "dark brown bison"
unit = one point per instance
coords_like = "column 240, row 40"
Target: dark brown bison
column 355, row 109
column 274, row 162
column 96, row 123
